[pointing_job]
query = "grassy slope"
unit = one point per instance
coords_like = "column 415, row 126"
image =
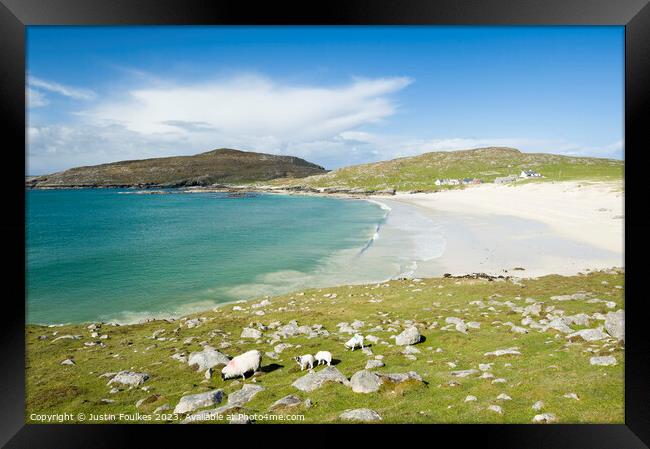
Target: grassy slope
column 547, row 368
column 420, row 172
column 218, row 166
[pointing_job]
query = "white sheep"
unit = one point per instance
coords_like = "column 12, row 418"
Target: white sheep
column 324, row 357
column 305, row 360
column 242, row 364
column 355, row 341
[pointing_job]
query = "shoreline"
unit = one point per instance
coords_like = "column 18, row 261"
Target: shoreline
column 483, row 234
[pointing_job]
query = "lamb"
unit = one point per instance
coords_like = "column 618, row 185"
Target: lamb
column 305, row 360
column 242, row 364
column 323, row 357
column 355, row 341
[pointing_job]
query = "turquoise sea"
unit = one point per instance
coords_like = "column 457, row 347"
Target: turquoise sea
column 109, row 254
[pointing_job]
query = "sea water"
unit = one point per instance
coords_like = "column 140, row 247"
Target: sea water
column 115, row 255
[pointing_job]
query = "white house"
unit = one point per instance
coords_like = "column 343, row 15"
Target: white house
column 529, row 174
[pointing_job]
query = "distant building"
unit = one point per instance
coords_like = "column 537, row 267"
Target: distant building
column 506, row 179
column 529, row 174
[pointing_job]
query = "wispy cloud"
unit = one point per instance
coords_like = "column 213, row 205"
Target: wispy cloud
column 35, row 98
column 67, row 91
column 253, row 107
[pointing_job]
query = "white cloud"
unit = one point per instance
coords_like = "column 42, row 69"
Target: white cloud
column 66, row 91
column 35, row 98
column 252, row 107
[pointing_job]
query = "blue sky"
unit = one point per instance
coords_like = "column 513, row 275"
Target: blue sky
column 333, row 95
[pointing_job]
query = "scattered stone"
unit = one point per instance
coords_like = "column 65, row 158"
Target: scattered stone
column 496, row 409
column 544, row 418
column 537, row 406
column 68, row 362
column 603, row 361
column 248, row 332
column 615, row 324
column 571, row 396
column 287, row 401
column 372, row 364
column 410, row 336
column 410, row 350
column 162, row 408
column 281, row 347
column 67, row 337
column 244, row 395
column 367, row 351
column 588, row 334
column 208, row 358
column 502, row 352
column 360, row 414
column 315, row 380
column 464, row 373
column 129, row 378
column 470, row 398
column 504, row 397
column 365, row 382
column 192, row 402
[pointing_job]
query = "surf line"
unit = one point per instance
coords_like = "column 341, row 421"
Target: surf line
column 375, row 236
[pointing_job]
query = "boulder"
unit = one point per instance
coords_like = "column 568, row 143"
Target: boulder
column 244, row 395
column 249, row 332
column 365, row 382
column 360, row 414
column 192, row 402
column 315, row 380
column 410, row 336
column 372, row 364
column 129, row 378
column 287, row 401
column 544, row 418
column 208, row 358
column 400, row 377
column 588, row 335
column 615, row 324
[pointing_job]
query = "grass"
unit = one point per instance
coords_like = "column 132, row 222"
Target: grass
column 419, row 173
column 548, row 367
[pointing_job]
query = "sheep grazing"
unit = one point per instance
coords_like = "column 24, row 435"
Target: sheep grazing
column 356, row 341
column 324, row 357
column 305, row 360
column 242, row 364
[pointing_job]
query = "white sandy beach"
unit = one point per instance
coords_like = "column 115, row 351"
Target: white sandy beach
column 561, row 227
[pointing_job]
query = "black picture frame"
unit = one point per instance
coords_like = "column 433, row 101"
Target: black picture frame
column 633, row 14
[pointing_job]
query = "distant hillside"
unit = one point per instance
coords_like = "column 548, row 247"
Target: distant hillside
column 219, row 166
column 420, row 172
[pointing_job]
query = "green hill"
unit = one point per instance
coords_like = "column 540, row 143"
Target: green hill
column 219, row 166
column 420, row 172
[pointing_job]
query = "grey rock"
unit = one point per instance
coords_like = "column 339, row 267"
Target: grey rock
column 603, row 360
column 208, row 358
column 615, row 324
column 244, row 395
column 315, row 380
column 287, row 401
column 365, row 382
column 68, row 362
column 502, row 352
column 537, row 406
column 409, row 336
column 464, row 373
column 192, row 402
column 544, row 418
column 400, row 377
column 588, row 335
column 163, row 408
column 249, row 332
column 372, row 364
column 360, row 414
column 129, row 378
